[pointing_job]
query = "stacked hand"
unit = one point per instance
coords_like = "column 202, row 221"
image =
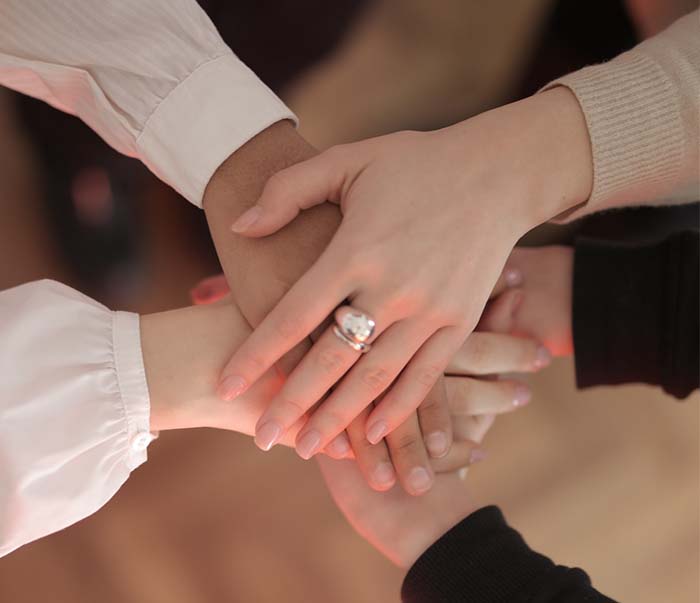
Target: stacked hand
column 402, row 527
column 403, row 455
column 429, row 222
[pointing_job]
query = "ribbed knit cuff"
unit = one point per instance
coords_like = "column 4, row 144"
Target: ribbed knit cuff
column 635, row 313
column 483, row 559
column 634, row 121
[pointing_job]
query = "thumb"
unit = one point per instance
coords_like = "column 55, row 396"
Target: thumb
column 286, row 193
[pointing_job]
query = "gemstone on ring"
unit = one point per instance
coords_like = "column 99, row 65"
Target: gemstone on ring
column 356, row 325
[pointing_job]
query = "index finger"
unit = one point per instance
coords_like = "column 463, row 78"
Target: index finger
column 305, row 306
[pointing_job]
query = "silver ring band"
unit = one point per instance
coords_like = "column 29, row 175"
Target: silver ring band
column 363, row 348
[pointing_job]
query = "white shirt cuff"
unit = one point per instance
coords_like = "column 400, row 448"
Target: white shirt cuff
column 128, row 360
column 219, row 107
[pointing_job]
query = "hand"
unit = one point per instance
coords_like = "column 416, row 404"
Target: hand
column 545, row 312
column 429, row 221
column 400, row 526
column 403, row 453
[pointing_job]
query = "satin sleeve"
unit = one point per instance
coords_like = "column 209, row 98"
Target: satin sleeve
column 74, row 408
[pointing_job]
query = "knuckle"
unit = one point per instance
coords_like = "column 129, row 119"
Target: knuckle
column 434, row 411
column 428, row 374
column 288, row 328
column 291, row 407
column 461, row 394
column 406, row 443
column 478, row 350
column 333, row 421
column 256, row 364
column 276, row 184
column 376, row 379
column 331, row 361
column 430, row 404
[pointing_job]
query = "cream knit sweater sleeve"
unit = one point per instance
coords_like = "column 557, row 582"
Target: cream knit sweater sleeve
column 642, row 111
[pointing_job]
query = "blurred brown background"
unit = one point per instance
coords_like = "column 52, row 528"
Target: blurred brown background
column 607, row 479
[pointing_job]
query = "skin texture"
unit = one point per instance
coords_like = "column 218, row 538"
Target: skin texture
column 183, row 351
column 429, row 220
column 399, row 526
column 264, row 270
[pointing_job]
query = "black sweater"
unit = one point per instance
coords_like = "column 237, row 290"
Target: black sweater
column 635, row 319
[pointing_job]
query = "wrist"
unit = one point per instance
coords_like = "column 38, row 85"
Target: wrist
column 534, row 158
column 244, row 173
column 183, row 351
column 264, row 269
column 559, row 154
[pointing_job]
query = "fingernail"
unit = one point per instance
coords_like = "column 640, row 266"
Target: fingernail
column 462, row 473
column 268, row 434
column 383, row 474
column 419, row 479
column 522, row 395
column 377, row 432
column 247, row 219
column 543, row 357
column 436, row 444
column 231, row 387
column 476, row 455
column 341, row 445
column 309, row 444
column 513, row 276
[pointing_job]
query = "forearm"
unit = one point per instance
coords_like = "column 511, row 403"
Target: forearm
column 261, row 270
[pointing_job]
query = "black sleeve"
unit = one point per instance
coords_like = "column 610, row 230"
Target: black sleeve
column 636, row 313
column 484, row 560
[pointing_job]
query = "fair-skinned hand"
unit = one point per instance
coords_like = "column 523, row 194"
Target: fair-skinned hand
column 399, row 526
column 429, row 220
column 545, row 312
column 183, row 351
column 402, row 454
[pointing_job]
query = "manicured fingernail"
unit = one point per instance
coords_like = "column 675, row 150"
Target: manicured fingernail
column 383, row 474
column 513, row 276
column 247, row 219
column 309, row 444
column 476, row 455
column 436, row 443
column 340, row 446
column 543, row 357
column 419, row 479
column 522, row 395
column 231, row 387
column 268, row 434
column 377, row 432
